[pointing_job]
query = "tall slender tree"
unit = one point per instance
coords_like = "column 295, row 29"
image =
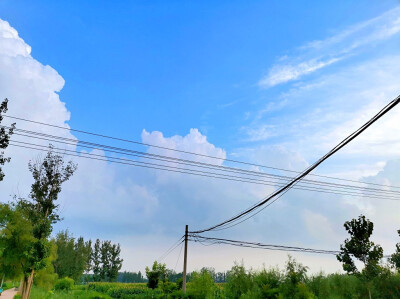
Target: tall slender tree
column 115, row 262
column 49, row 174
column 96, row 260
column 105, row 260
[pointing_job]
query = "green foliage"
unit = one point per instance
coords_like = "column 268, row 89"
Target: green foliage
column 64, row 284
column 293, row 285
column 72, row 256
column 395, row 257
column 5, row 135
column 45, row 278
column 96, row 262
column 130, row 277
column 155, row 274
column 48, row 174
column 125, row 290
column 38, row 293
column 202, row 285
column 110, row 260
column 360, row 246
column 239, row 282
column 16, row 241
column 105, row 261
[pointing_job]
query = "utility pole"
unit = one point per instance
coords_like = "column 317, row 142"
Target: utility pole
column 185, row 261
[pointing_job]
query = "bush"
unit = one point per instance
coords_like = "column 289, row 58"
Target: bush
column 202, row 285
column 238, row 282
column 64, row 284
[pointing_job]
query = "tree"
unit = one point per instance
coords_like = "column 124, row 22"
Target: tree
column 95, row 257
column 65, row 254
column 360, row 247
column 293, row 285
column 49, row 174
column 395, row 257
column 16, row 241
column 5, row 134
column 73, row 256
column 46, row 277
column 155, row 274
column 105, row 260
column 115, row 262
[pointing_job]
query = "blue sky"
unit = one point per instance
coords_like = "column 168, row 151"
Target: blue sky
column 275, row 83
column 170, row 65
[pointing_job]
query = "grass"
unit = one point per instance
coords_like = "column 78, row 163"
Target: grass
column 38, row 293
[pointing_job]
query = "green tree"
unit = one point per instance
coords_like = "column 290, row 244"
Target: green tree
column 115, row 262
column 293, row 285
column 65, row 254
column 202, row 284
column 49, row 174
column 155, row 274
column 73, row 255
column 96, row 260
column 362, row 248
column 105, row 250
column 46, row 277
column 239, row 282
column 16, row 241
column 5, row 134
column 395, row 257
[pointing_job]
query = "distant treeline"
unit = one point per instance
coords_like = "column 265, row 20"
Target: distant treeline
column 137, row 277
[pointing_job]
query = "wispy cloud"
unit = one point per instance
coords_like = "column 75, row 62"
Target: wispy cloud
column 322, row 53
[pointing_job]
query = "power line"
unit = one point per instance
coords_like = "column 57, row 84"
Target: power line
column 343, row 143
column 212, row 241
column 187, row 162
column 187, row 152
column 189, row 171
column 52, row 138
column 179, row 256
column 208, row 241
column 172, row 248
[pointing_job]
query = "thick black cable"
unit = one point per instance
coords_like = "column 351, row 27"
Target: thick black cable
column 343, row 143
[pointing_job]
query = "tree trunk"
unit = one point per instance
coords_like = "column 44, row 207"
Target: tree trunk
column 27, row 286
column 369, row 293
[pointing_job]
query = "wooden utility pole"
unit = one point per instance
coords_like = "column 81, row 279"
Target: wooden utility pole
column 185, row 261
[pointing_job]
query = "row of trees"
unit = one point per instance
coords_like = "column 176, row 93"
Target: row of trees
column 75, row 257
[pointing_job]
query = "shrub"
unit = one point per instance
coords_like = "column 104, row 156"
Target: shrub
column 202, row 285
column 65, row 284
column 238, row 281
